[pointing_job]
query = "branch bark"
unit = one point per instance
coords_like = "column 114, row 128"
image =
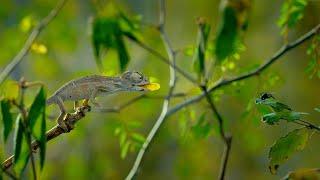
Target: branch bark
column 165, row 106
column 32, row 37
column 227, row 139
column 56, row 131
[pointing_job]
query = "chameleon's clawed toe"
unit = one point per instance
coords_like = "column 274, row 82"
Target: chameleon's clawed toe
column 62, row 122
column 85, row 102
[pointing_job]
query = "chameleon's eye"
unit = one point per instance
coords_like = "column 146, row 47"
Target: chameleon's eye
column 264, row 96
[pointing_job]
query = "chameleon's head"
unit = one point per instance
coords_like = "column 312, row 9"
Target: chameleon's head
column 135, row 81
column 264, row 98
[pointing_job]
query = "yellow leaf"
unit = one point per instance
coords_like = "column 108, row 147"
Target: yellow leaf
column 26, row 23
column 39, row 48
column 152, row 86
column 231, row 65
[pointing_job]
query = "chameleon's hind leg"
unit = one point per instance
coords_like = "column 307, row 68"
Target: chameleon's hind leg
column 63, row 114
column 93, row 98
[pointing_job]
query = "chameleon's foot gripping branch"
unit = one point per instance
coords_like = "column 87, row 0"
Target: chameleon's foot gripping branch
column 70, row 121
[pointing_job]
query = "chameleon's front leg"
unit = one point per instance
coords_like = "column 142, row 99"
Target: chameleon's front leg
column 92, row 99
column 62, row 116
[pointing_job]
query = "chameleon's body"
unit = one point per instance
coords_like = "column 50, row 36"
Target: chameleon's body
column 84, row 88
column 89, row 87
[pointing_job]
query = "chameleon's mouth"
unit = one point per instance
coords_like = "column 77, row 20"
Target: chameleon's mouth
column 150, row 86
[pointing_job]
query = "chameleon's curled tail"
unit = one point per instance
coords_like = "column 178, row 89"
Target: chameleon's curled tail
column 51, row 100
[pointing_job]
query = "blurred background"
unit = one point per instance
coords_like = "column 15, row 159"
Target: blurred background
column 92, row 150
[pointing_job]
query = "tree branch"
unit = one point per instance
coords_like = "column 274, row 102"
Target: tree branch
column 54, row 132
column 32, row 37
column 133, row 100
column 224, row 82
column 165, row 106
column 227, row 139
column 165, row 60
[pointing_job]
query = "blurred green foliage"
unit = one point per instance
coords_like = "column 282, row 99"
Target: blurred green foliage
column 291, row 12
column 188, row 146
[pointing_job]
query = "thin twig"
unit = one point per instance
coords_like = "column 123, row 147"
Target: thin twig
column 32, row 37
column 309, row 125
column 225, row 158
column 33, row 165
column 227, row 139
column 165, row 106
column 165, row 60
column 133, row 100
column 224, row 82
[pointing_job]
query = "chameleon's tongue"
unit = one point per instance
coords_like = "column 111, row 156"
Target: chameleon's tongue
column 151, row 86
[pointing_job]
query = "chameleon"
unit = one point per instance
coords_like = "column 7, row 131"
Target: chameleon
column 89, row 87
column 280, row 110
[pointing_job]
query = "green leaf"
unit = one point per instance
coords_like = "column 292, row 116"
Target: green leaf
column 130, row 27
column 123, row 54
column 37, row 122
column 134, row 124
column 6, row 118
column 202, row 40
column 21, row 150
column 271, row 118
column 36, row 111
column 138, row 138
column 108, row 33
column 123, row 137
column 227, row 34
column 291, row 12
column 103, row 36
column 286, row 146
column 202, row 128
column 313, row 67
column 124, row 149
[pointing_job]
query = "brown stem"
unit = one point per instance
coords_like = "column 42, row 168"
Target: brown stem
column 225, row 158
column 227, row 139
